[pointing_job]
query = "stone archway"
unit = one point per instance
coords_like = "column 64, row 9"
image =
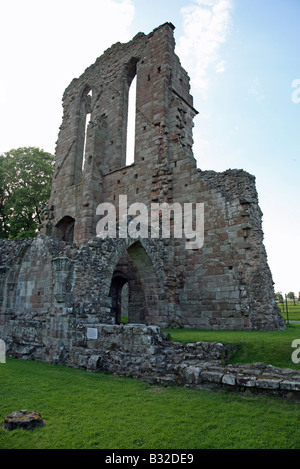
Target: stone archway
column 115, row 293
column 126, row 275
column 146, row 301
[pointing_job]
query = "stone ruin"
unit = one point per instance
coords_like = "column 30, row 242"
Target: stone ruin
column 27, row 420
column 68, row 280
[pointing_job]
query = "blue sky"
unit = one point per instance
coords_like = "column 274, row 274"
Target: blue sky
column 242, row 57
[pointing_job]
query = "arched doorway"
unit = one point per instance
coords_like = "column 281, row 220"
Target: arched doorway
column 146, row 300
column 126, row 291
column 116, row 288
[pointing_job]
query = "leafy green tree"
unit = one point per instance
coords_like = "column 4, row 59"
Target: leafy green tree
column 278, row 296
column 25, row 178
column 291, row 296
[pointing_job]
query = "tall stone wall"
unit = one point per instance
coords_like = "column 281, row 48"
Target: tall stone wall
column 68, row 277
column 87, row 176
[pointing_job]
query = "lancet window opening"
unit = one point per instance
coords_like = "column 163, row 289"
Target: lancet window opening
column 87, row 121
column 131, row 118
column 130, row 111
column 84, row 114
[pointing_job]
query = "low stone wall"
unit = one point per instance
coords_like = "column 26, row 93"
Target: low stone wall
column 256, row 378
column 134, row 350
column 142, row 352
column 146, row 353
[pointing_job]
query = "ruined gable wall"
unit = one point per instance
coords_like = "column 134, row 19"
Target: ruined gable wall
column 160, row 83
column 224, row 284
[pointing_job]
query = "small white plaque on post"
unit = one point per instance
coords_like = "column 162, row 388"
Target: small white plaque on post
column 2, row 351
column 92, row 333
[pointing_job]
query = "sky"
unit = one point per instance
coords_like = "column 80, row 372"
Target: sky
column 243, row 60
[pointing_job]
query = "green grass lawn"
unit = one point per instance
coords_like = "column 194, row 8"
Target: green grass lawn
column 293, row 310
column 95, row 410
column 253, row 346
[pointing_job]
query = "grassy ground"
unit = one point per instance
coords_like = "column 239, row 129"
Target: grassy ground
column 292, row 312
column 273, row 348
column 87, row 410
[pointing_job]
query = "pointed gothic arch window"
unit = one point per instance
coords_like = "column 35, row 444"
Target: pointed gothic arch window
column 83, row 118
column 130, row 138
column 131, row 111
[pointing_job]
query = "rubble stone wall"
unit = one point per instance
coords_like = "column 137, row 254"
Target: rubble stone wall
column 146, row 353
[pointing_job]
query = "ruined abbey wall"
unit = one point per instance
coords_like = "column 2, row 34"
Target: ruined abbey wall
column 53, row 286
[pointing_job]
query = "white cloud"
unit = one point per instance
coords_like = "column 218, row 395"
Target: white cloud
column 205, row 24
column 255, row 90
column 220, row 67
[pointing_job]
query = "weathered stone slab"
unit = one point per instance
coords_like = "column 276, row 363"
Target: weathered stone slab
column 211, row 376
column 27, row 420
column 268, row 383
column 229, row 378
column 245, row 380
column 290, row 385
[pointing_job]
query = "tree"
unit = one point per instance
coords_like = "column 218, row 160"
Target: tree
column 278, row 296
column 25, row 177
column 291, row 296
